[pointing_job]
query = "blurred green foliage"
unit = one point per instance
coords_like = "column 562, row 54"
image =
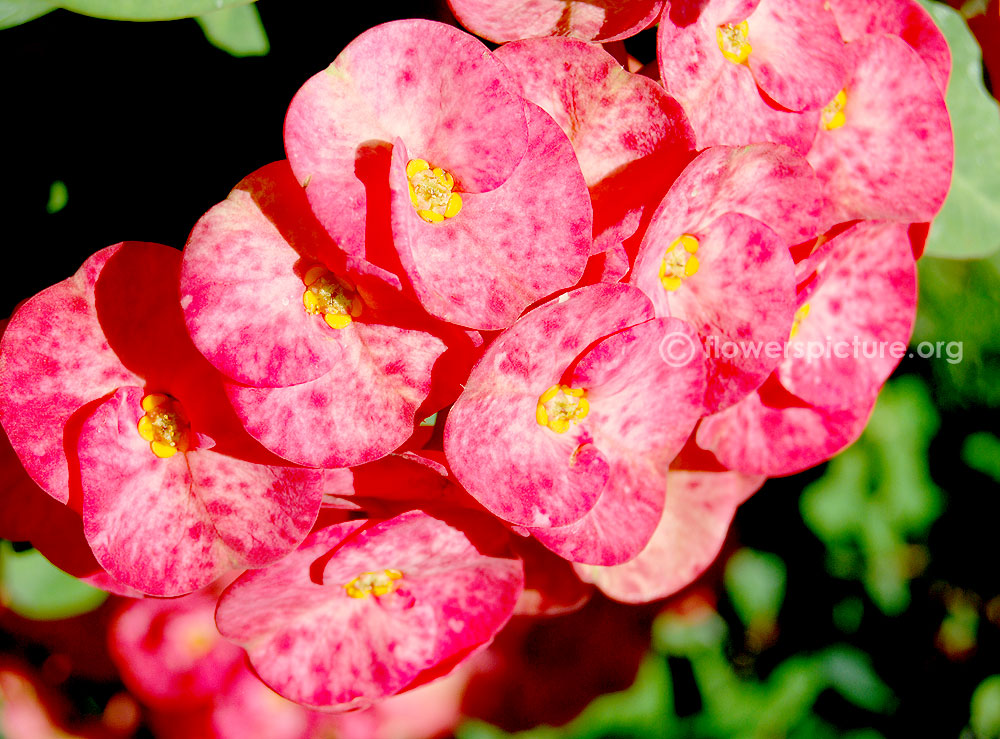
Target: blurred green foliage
column 877, row 498
column 968, row 225
column 32, row 587
column 985, row 709
column 58, row 197
column 15, row 12
column 237, row 30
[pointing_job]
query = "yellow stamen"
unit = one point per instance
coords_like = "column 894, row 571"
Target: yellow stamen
column 431, row 191
column 833, row 115
column 679, row 264
column 561, row 405
column 800, row 316
column 330, row 296
column 373, row 583
column 164, row 425
column 732, row 40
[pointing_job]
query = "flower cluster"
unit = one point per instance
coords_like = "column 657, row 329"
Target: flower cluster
column 457, row 357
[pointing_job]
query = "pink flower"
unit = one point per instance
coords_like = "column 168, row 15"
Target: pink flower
column 716, row 255
column 137, row 427
column 329, row 362
column 568, row 422
column 415, row 153
column 590, row 20
column 364, row 610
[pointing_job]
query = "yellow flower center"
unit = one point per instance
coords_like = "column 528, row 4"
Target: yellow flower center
column 330, row 296
column 733, row 42
column 800, row 316
column 373, row 583
column 833, row 114
column 164, row 426
column 561, row 405
column 679, row 262
column 431, row 191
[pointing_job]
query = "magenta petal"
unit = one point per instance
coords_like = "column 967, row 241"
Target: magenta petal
column 313, row 643
column 741, row 301
column 798, row 53
column 359, row 411
column 54, row 359
column 507, row 248
column 432, row 85
column 242, row 293
column 903, row 18
column 526, row 474
column 697, row 514
column 774, row 436
column 860, row 318
column 590, row 20
column 892, row 159
column 171, row 526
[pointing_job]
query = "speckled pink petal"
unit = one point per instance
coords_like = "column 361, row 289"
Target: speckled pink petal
column 507, row 248
column 359, row 411
column 242, row 287
column 170, row 526
column 699, row 509
column 434, row 86
column 798, row 55
column 768, row 182
column 643, row 407
column 590, row 20
column 169, row 652
column 741, row 301
column 721, row 99
column 892, row 159
column 630, row 137
column 54, row 359
column 903, row 18
column 314, row 644
column 863, row 309
column 527, row 474
column 770, row 432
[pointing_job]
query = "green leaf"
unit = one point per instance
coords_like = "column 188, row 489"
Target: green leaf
column 968, row 226
column 147, row 10
column 851, row 674
column 32, row 587
column 237, row 30
column 982, row 452
column 58, row 197
column 986, row 708
column 16, row 12
column 755, row 582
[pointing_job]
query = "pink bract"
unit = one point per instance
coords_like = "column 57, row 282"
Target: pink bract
column 590, row 20
column 452, row 588
column 587, row 493
column 796, row 59
column 903, row 18
column 508, row 247
column 435, row 87
column 699, row 509
column 892, row 158
column 630, row 137
column 862, row 307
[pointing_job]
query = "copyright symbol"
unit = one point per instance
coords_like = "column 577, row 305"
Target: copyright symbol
column 678, row 348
